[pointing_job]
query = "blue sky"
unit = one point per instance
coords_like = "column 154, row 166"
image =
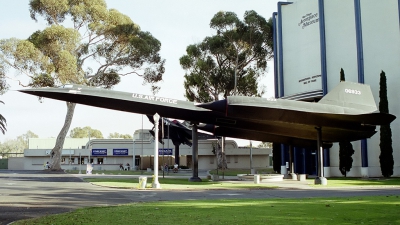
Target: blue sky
column 176, row 24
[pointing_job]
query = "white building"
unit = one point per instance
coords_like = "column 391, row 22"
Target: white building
column 314, row 39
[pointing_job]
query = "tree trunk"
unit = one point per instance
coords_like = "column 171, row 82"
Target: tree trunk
column 55, row 160
column 221, row 157
column 221, row 160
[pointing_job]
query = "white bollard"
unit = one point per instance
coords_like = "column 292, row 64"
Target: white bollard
column 256, row 178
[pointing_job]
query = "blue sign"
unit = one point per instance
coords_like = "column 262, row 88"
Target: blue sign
column 99, row 152
column 120, row 151
column 165, row 151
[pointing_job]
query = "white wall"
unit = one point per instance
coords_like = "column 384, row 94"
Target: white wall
column 381, row 41
column 16, row 163
column 340, row 36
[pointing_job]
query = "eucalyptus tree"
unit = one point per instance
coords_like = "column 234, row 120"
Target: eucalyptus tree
column 86, row 43
column 237, row 53
column 231, row 62
column 3, row 122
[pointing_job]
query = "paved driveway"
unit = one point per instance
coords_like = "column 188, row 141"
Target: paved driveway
column 26, row 194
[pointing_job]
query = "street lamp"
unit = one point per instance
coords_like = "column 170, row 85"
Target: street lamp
column 133, row 152
column 155, row 183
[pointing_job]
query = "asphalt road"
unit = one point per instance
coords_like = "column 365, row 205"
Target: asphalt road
column 27, row 194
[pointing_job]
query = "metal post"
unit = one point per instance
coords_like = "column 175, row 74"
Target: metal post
column 162, row 134
column 141, row 165
column 251, row 158
column 195, row 155
column 168, row 146
column 90, row 148
column 155, row 183
column 320, row 179
column 223, row 156
column 133, row 152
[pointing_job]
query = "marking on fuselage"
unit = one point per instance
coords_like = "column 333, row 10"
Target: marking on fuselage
column 155, row 98
column 352, row 91
column 74, row 91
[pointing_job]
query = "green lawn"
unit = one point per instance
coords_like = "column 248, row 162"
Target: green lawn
column 357, row 182
column 354, row 210
column 174, row 183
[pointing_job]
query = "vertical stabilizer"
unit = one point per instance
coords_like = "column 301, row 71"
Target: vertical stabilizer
column 351, row 95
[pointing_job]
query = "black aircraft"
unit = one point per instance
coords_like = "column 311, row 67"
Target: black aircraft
column 347, row 113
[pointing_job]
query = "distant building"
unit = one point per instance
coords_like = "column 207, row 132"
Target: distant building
column 109, row 154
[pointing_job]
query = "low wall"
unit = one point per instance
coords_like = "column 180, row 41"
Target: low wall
column 263, row 177
column 16, row 163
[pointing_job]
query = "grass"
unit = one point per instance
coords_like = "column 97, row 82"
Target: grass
column 357, row 182
column 354, row 210
column 175, row 183
column 183, row 183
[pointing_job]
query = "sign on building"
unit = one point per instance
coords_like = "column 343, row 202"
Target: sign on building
column 165, row 151
column 120, row 151
column 99, row 152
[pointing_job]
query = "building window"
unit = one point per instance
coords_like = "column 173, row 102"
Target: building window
column 100, row 161
column 212, row 159
column 63, row 160
column 228, row 158
column 137, row 160
column 236, row 158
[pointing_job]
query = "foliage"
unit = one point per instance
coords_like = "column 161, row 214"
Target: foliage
column 85, row 132
column 118, row 135
column 345, row 157
column 276, row 157
column 345, row 147
column 386, row 156
column 17, row 145
column 342, row 76
column 101, row 45
column 265, row 145
column 229, row 62
column 239, row 49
